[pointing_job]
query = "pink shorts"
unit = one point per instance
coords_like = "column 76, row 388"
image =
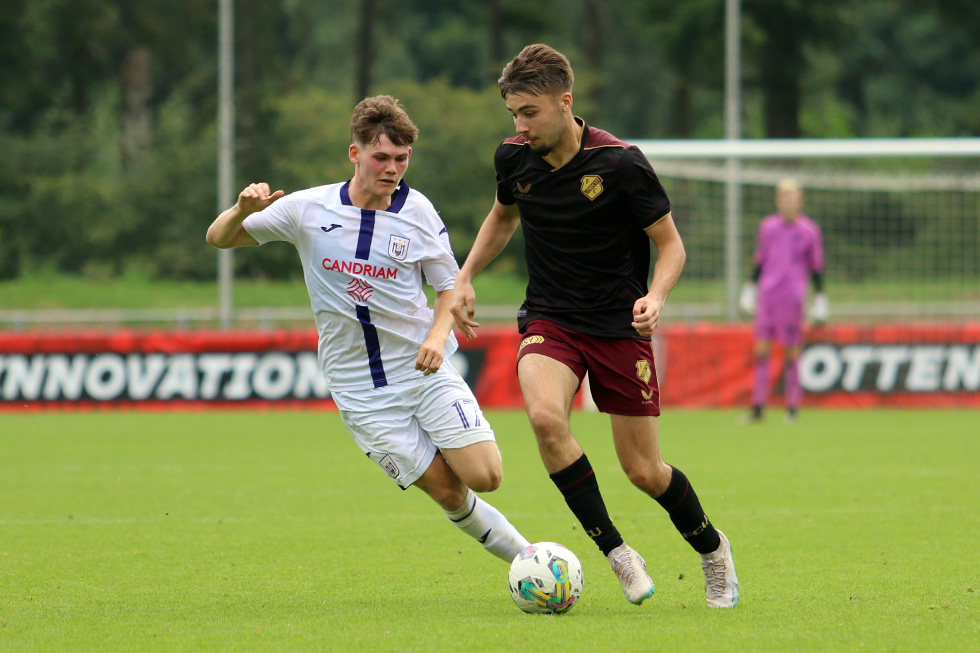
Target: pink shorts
column 780, row 318
column 622, row 375
column 780, row 323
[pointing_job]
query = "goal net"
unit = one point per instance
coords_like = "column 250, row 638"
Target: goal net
column 900, row 220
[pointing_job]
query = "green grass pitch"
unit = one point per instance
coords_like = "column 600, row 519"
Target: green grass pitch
column 852, row 530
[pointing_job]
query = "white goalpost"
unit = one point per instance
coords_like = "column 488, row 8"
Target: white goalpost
column 900, row 219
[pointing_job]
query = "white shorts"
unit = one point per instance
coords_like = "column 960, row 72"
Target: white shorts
column 402, row 426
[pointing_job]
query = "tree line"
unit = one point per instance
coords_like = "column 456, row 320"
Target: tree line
column 108, row 109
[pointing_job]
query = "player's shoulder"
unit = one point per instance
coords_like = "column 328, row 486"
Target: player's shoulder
column 417, row 201
column 596, row 138
column 770, row 222
column 598, row 144
column 328, row 193
column 511, row 148
column 809, row 223
column 419, row 211
column 510, row 155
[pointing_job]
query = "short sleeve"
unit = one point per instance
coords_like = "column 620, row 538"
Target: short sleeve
column 647, row 198
column 440, row 266
column 278, row 221
column 504, row 195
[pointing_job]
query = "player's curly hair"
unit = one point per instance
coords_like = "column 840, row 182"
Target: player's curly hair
column 381, row 114
column 538, row 70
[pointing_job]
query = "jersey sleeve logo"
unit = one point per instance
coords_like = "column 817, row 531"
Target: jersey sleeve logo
column 592, row 186
column 398, row 247
column 523, row 191
column 643, row 372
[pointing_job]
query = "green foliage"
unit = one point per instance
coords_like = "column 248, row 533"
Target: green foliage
column 108, row 125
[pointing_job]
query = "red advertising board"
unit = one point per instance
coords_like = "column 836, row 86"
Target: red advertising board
column 160, row 369
column 842, row 365
column 699, row 365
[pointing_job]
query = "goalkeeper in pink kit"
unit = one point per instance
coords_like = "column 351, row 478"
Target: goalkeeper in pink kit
column 789, row 250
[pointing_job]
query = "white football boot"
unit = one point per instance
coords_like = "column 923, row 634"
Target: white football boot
column 630, row 568
column 720, row 581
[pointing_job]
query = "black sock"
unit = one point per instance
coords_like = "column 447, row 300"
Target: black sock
column 684, row 509
column 578, row 485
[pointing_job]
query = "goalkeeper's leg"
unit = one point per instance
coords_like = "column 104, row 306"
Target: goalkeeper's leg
column 791, row 381
column 760, row 377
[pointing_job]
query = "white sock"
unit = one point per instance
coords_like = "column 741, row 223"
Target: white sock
column 487, row 525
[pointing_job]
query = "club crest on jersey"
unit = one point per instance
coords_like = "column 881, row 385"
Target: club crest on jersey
column 592, row 186
column 643, row 372
column 387, row 464
column 398, row 247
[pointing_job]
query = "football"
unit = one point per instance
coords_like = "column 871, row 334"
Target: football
column 546, row 578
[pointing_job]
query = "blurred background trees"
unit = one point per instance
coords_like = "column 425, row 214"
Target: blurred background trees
column 108, row 109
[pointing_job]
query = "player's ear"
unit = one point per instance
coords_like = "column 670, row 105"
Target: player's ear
column 352, row 153
column 566, row 101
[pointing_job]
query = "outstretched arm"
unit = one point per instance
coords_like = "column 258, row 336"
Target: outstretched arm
column 226, row 231
column 670, row 262
column 496, row 231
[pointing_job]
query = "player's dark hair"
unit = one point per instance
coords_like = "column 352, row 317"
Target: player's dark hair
column 381, row 114
column 538, row 70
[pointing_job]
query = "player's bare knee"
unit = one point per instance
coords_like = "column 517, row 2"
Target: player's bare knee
column 550, row 428
column 486, row 484
column 487, row 479
column 545, row 420
column 497, row 478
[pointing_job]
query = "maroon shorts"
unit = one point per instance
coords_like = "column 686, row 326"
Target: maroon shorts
column 622, row 376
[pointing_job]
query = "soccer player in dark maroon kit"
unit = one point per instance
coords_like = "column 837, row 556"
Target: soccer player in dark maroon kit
column 589, row 204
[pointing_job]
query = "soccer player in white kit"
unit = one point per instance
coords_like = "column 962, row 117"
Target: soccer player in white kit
column 364, row 245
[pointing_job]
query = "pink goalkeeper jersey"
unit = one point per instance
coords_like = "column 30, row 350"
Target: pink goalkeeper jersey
column 787, row 252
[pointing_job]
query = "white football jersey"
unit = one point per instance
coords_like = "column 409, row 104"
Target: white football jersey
column 363, row 272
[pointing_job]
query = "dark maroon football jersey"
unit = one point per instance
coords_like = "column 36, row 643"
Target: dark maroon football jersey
column 588, row 258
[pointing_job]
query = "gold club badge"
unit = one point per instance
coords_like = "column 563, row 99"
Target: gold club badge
column 643, row 372
column 592, row 186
